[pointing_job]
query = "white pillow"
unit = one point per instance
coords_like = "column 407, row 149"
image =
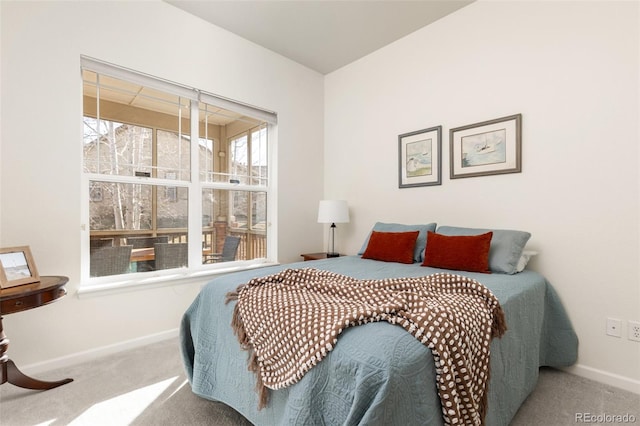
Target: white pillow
column 525, row 257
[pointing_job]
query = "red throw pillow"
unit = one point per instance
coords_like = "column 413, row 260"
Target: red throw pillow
column 391, row 246
column 462, row 253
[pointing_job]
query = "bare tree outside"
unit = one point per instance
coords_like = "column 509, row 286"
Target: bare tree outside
column 113, row 148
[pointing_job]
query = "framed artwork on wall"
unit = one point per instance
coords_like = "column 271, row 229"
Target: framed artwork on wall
column 17, row 267
column 487, row 148
column 420, row 158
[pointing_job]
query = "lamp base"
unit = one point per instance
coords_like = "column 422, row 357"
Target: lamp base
column 333, row 254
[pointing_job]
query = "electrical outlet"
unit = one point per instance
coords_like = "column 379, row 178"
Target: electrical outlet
column 634, row 330
column 614, row 327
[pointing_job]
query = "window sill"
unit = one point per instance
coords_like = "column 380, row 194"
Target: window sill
column 144, row 283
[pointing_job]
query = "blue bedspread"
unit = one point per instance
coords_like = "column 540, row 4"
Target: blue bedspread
column 377, row 374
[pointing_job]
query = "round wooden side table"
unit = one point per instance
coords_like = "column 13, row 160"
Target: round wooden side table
column 18, row 299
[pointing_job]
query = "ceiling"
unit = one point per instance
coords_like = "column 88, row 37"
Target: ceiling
column 321, row 35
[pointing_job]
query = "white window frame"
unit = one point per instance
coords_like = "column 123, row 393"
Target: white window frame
column 196, row 269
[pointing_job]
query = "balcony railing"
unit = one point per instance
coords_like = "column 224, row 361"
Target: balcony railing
column 253, row 243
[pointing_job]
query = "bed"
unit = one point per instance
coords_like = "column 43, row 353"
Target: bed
column 377, row 373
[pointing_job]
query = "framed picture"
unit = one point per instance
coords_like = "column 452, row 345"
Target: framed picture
column 17, row 267
column 488, row 148
column 420, row 157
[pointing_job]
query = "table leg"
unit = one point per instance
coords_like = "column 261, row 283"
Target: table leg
column 16, row 377
column 11, row 373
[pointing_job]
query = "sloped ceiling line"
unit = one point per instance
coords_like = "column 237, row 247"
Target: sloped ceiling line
column 321, row 35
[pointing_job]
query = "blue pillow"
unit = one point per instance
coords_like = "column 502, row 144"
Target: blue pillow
column 506, row 246
column 421, row 242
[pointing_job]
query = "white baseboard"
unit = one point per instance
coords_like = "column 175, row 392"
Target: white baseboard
column 605, row 377
column 92, row 354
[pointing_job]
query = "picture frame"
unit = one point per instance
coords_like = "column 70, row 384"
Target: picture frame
column 17, row 267
column 420, row 158
column 488, row 148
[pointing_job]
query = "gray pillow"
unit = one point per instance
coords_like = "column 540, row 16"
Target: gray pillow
column 506, row 246
column 421, row 242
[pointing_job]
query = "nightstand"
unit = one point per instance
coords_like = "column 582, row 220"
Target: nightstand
column 315, row 256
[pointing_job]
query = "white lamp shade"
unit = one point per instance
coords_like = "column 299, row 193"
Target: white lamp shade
column 333, row 211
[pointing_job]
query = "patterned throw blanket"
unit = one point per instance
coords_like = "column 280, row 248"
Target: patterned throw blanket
column 291, row 320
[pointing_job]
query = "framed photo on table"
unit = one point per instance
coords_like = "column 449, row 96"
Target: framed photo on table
column 489, row 148
column 420, row 158
column 17, row 267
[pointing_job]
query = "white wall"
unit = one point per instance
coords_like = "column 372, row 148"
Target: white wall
column 41, row 153
column 571, row 69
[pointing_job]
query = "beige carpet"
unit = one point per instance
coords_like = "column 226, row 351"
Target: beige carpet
column 147, row 386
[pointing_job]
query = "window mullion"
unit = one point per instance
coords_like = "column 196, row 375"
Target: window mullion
column 98, row 133
column 250, row 179
column 154, row 173
column 135, row 180
column 272, row 194
column 195, row 192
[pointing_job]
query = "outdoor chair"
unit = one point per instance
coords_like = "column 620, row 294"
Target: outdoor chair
column 146, row 242
column 229, row 251
column 110, row 261
column 170, row 255
column 98, row 243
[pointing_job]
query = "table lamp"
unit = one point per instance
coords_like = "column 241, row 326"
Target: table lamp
column 333, row 211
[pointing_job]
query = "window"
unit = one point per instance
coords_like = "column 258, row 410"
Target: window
column 174, row 177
